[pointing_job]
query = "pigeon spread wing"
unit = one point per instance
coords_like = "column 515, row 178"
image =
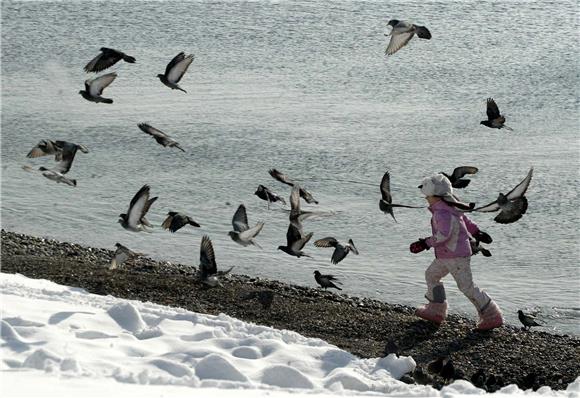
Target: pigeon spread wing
column 515, row 193
column 240, row 219
column 137, row 206
column 252, row 232
column 326, row 242
column 398, row 41
column 98, row 84
column 167, row 223
column 299, row 244
column 179, row 69
column 44, row 147
column 108, row 57
column 293, row 234
column 178, row 58
column 352, row 247
column 492, row 109
column 207, row 262
column 461, row 171
column 295, row 201
column 386, row 188
column 283, row 178
column 148, row 129
column 338, row 255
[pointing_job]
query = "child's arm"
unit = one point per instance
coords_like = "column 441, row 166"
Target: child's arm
column 444, row 224
column 472, row 227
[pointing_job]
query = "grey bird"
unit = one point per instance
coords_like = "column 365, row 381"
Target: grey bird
column 476, row 247
column 121, row 255
column 456, row 178
column 402, row 32
column 295, row 240
column 340, row 249
column 495, row 120
column 107, row 58
column 53, row 175
column 94, row 88
column 134, row 220
column 63, row 150
column 326, row 281
column 527, row 320
column 175, row 71
column 386, row 202
column 264, row 297
column 207, row 265
column 283, row 178
column 266, row 194
column 296, row 214
column 242, row 233
column 176, row 221
column 513, row 205
column 160, row 136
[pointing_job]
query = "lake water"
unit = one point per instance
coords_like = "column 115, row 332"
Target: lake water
column 305, row 87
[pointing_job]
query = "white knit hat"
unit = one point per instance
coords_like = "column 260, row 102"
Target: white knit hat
column 439, row 185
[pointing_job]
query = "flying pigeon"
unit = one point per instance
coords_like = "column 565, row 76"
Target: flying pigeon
column 44, row 147
column 122, row 254
column 386, row 203
column 456, row 178
column 340, row 249
column 402, row 32
column 64, row 153
column 176, row 221
column 207, row 265
column 159, row 136
column 94, row 88
column 513, row 205
column 175, row 71
column 296, row 240
column 135, row 220
column 494, row 119
column 108, row 57
column 266, row 194
column 53, row 175
column 527, row 320
column 326, row 281
column 242, row 233
column 283, row 178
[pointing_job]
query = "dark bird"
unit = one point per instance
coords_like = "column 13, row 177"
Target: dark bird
column 266, row 194
column 207, row 264
column 402, row 32
column 436, row 366
column 326, row 281
column 94, row 88
column 340, row 249
column 283, row 178
column 391, row 348
column 107, row 58
column 456, row 178
column 494, row 119
column 159, row 136
column 175, row 71
column 478, row 379
column 121, row 255
column 53, row 175
column 476, row 247
column 448, row 371
column 134, row 220
column 176, row 221
column 386, row 203
column 296, row 240
column 296, row 214
column 421, row 377
column 527, row 320
column 513, row 205
column 264, row 297
column 242, row 233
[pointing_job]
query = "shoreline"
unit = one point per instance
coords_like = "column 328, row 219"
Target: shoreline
column 365, row 327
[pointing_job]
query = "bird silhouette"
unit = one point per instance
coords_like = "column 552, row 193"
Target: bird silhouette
column 326, row 281
column 527, row 320
column 386, row 202
column 160, row 136
column 176, row 221
column 456, row 178
column 107, row 58
column 340, row 249
column 134, row 220
column 94, row 88
column 175, row 70
column 402, row 32
column 494, row 119
column 242, row 233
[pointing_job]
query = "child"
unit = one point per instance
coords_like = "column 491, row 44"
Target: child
column 451, row 231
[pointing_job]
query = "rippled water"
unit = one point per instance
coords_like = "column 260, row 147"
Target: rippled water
column 305, row 87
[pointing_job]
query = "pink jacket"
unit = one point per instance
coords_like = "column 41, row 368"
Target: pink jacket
column 451, row 231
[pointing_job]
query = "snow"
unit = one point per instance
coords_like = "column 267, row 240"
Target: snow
column 62, row 341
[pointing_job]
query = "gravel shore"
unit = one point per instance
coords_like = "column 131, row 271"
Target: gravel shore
column 364, row 327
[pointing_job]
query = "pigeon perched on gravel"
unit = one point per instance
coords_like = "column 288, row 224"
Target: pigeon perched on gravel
column 175, row 71
column 94, row 88
column 456, row 178
column 386, row 203
column 402, row 32
column 326, row 281
column 266, row 194
column 527, row 320
column 53, row 175
column 494, row 119
column 296, row 240
column 207, row 264
column 122, row 254
column 107, row 58
column 283, row 178
column 340, row 249
column 513, row 205
column 160, row 136
column 134, row 220
column 242, row 233
column 176, row 221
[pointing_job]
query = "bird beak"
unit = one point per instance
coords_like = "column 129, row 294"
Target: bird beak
column 420, row 186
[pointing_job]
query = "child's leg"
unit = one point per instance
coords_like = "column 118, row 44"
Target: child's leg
column 433, row 275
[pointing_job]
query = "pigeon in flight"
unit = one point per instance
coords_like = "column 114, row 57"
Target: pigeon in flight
column 340, row 249
column 527, row 320
column 122, row 254
column 494, row 119
column 175, row 221
column 295, row 240
column 266, row 194
column 326, row 281
column 43, row 148
column 175, row 71
column 135, row 220
column 207, row 265
column 53, row 175
column 297, row 215
column 386, row 203
column 402, row 32
column 283, row 178
column 242, row 233
column 456, row 178
column 94, row 88
column 513, row 205
column 107, row 58
column 159, row 136
column 64, row 153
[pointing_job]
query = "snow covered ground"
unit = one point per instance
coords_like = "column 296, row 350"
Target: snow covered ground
column 62, row 341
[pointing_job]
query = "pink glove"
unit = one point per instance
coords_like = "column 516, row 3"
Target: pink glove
column 418, row 246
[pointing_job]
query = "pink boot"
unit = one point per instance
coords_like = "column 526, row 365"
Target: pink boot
column 490, row 317
column 434, row 312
